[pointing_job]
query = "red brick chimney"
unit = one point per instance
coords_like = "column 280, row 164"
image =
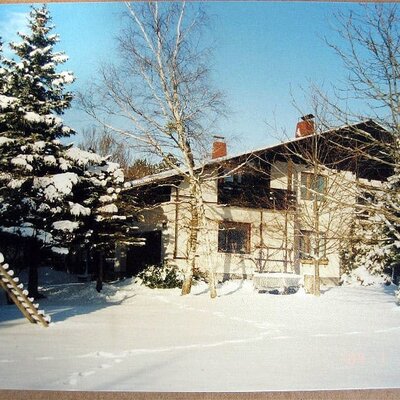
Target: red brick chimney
column 219, row 147
column 306, row 126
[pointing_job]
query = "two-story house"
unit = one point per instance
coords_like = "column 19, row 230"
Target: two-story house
column 274, row 209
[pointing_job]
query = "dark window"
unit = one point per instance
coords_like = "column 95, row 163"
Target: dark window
column 250, row 187
column 152, row 195
column 311, row 184
column 234, row 237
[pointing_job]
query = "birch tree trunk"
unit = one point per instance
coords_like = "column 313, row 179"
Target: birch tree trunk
column 192, row 242
column 317, row 279
column 162, row 88
column 198, row 227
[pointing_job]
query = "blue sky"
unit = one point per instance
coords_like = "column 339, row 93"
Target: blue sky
column 265, row 53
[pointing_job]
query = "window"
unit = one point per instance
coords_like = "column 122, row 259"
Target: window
column 311, row 184
column 234, row 237
column 307, row 243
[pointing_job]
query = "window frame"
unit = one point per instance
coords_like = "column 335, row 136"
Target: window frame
column 225, row 244
column 309, row 183
column 306, row 237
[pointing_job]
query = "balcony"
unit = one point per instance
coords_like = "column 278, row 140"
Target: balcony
column 255, row 197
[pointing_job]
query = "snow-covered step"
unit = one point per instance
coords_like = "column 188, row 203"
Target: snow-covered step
column 19, row 296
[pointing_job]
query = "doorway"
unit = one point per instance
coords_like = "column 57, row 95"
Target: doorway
column 138, row 257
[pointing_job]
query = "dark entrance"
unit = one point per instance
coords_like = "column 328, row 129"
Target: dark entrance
column 139, row 256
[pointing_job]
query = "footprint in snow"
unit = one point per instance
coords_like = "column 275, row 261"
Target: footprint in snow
column 86, row 373
column 105, row 366
column 73, row 381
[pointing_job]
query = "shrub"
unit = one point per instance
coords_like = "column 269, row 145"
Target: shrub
column 160, row 277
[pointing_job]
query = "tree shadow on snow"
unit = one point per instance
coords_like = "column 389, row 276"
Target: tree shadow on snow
column 326, row 289
column 219, row 287
column 234, row 290
column 66, row 301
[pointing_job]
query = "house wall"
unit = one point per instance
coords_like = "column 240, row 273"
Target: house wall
column 335, row 214
column 274, row 237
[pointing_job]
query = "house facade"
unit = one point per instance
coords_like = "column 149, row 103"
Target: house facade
column 273, row 210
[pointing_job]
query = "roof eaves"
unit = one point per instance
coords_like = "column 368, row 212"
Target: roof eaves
column 171, row 173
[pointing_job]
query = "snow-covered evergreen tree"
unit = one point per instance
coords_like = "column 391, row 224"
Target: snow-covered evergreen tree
column 374, row 246
column 112, row 219
column 36, row 180
column 50, row 193
column 384, row 254
column 363, row 256
column 34, row 80
column 8, row 103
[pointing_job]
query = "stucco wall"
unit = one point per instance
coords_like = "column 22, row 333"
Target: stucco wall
column 276, row 230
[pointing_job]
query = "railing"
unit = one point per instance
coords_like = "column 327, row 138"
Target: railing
column 254, row 197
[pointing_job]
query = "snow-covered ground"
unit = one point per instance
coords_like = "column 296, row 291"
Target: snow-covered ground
column 134, row 338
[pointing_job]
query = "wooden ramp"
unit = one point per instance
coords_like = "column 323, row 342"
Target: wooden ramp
column 19, row 296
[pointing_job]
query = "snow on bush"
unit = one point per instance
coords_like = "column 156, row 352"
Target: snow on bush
column 60, row 250
column 48, row 119
column 362, row 276
column 68, row 226
column 50, row 160
column 57, row 186
column 4, row 140
column 107, row 198
column 21, row 162
column 77, row 210
column 25, row 230
column 160, row 277
column 7, row 101
column 16, row 183
column 82, row 157
column 40, row 145
column 108, row 209
column 65, row 78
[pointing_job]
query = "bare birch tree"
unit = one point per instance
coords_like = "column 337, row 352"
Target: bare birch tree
column 321, row 178
column 371, row 55
column 368, row 43
column 160, row 96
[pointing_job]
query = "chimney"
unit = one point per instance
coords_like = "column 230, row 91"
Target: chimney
column 306, row 126
column 219, row 147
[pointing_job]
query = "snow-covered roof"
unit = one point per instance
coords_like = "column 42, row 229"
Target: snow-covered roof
column 154, row 178
column 151, row 179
